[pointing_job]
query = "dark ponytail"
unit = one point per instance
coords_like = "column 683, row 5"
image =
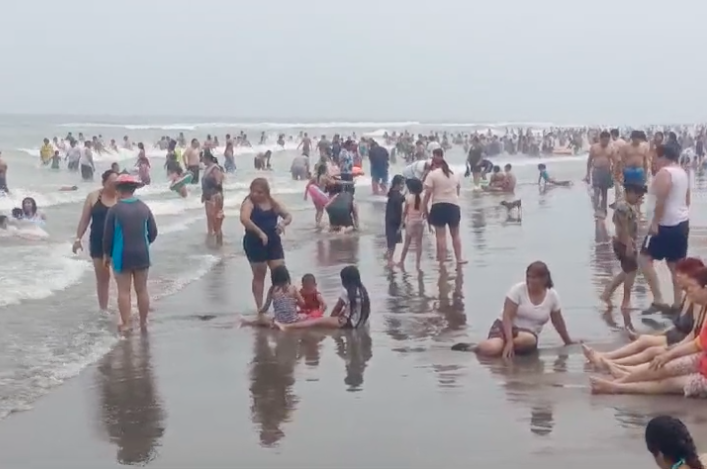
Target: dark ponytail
column 415, row 187
column 670, row 437
column 351, row 280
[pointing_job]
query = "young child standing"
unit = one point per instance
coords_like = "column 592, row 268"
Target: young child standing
column 394, row 217
column 414, row 222
column 314, row 306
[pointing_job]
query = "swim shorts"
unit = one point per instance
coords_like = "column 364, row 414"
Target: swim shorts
column 629, row 264
column 670, row 243
column 634, row 175
column 443, row 214
column 602, row 178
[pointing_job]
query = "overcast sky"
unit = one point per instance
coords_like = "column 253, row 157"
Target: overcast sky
column 600, row 61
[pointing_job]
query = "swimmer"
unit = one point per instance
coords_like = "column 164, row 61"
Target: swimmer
column 86, row 162
column 300, row 168
column 3, row 176
column 143, row 165
column 600, row 162
column 130, row 229
column 30, row 212
column 56, row 159
column 191, row 159
column 46, row 152
column 473, row 160
column 634, row 159
column 212, row 196
column 342, row 210
column 319, row 181
column 73, row 155
column 68, row 188
column 544, row 178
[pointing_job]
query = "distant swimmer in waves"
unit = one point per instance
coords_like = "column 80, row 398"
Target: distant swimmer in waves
column 528, row 306
column 56, row 159
column 86, row 162
column 473, row 160
column 3, row 176
column 261, row 161
column 599, row 164
column 46, row 152
column 229, row 161
column 342, row 210
column 544, row 178
column 634, row 158
column 212, row 196
column 143, row 165
column 29, row 212
column 192, row 159
column 300, row 168
column 315, row 190
column 93, row 214
column 305, row 145
column 130, row 229
column 352, row 308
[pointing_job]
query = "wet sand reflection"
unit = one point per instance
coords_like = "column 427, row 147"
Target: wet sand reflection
column 130, row 407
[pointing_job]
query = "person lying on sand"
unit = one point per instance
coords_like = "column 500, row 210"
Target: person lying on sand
column 645, row 347
column 545, row 179
column 679, row 370
column 528, row 307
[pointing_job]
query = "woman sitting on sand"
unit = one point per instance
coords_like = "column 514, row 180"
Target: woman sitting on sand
column 679, row 370
column 646, row 347
column 528, row 307
column 671, row 444
column 351, row 310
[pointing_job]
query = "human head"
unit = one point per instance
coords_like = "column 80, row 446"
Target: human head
column 141, row 146
column 126, row 185
column 437, row 157
column 259, row 190
column 496, row 169
column 542, row 167
column 604, row 138
column 397, row 183
column 507, row 167
column 668, row 154
column 537, row 276
column 309, row 282
column 634, row 192
column 17, row 213
column 414, row 186
column 658, row 138
column 350, row 276
column 108, row 179
column 29, row 206
column 194, row 143
column 695, row 286
column 46, row 141
column 685, row 270
column 614, row 133
column 280, row 276
column 636, row 137
column 669, row 441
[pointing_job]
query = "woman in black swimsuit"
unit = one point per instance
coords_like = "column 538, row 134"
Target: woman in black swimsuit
column 212, row 195
column 94, row 213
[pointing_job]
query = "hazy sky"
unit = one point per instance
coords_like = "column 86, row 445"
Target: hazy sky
column 620, row 61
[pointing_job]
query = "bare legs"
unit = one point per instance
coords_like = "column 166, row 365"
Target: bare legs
column 126, row 281
column 102, row 283
column 258, row 284
column 493, row 347
column 441, row 241
column 625, row 278
column 412, row 234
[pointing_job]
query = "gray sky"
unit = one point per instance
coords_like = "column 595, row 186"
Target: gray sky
column 620, row 61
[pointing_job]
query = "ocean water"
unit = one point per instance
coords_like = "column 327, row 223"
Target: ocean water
column 48, row 313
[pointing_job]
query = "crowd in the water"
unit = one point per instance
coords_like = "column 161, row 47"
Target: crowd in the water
column 425, row 195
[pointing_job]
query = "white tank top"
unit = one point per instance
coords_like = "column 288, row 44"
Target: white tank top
column 676, row 210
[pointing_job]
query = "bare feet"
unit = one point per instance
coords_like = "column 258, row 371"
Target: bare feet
column 462, row 262
column 601, row 386
column 617, row 371
column 626, row 306
column 592, row 356
column 633, row 335
column 283, row 327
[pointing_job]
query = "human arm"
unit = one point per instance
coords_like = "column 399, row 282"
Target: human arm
column 338, row 308
column 84, row 220
column 661, row 185
column 151, row 227
column 354, row 215
column 558, row 322
column 510, row 309
column 298, row 296
column 590, row 158
column 322, row 303
column 284, row 214
column 246, row 211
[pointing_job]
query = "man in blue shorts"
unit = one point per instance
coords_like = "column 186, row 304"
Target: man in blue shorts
column 380, row 159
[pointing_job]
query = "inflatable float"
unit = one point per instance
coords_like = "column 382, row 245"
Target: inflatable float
column 181, row 182
column 357, row 171
column 563, row 151
column 319, row 198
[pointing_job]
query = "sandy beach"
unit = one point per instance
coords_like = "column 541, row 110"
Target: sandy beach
column 200, row 391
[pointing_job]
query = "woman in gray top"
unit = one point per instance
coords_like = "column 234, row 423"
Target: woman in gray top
column 129, row 231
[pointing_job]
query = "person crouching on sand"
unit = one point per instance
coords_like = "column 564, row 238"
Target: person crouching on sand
column 527, row 308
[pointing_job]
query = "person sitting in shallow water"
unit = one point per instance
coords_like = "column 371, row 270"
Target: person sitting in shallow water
column 679, row 370
column 646, row 347
column 285, row 299
column 351, row 310
column 527, row 307
column 544, row 178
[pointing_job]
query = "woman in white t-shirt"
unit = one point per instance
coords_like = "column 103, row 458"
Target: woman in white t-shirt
column 442, row 191
column 528, row 307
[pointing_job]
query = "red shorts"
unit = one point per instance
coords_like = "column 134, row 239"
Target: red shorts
column 313, row 313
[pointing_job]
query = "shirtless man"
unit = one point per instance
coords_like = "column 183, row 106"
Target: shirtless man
column 617, row 143
column 634, row 159
column 653, row 151
column 599, row 163
column 191, row 159
column 3, row 176
column 305, row 144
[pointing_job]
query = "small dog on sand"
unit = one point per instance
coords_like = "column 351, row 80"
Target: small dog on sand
column 515, row 204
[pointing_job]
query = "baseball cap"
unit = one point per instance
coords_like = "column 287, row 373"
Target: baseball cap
column 127, row 179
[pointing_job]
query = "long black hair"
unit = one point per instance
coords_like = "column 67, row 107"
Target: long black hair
column 351, row 281
column 670, row 437
column 415, row 187
column 443, row 164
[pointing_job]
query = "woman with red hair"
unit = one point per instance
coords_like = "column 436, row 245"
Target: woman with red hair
column 646, row 347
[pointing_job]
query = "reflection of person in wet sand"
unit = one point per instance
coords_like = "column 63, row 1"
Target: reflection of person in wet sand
column 271, row 377
column 354, row 346
column 131, row 410
column 528, row 307
column 645, row 347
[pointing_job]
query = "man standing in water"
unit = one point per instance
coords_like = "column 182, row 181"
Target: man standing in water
column 305, row 144
column 634, row 159
column 473, row 159
column 670, row 227
column 617, row 144
column 3, row 176
column 192, row 159
column 380, row 160
column 600, row 163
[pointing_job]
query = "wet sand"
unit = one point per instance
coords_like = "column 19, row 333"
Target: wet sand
column 199, row 391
